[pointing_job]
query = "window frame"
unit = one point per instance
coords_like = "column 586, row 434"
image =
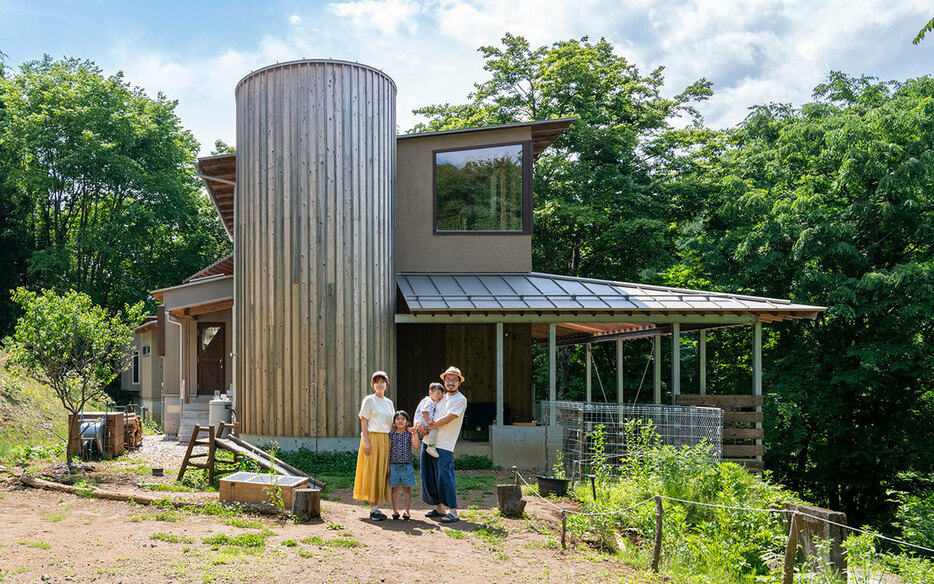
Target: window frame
column 526, row 189
column 135, row 368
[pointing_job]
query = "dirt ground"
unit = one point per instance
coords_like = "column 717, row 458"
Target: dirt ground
column 57, row 537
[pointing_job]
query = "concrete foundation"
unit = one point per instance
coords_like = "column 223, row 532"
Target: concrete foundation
column 526, row 447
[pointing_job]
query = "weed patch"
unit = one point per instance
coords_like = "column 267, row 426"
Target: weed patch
column 244, row 523
column 169, row 538
column 36, row 544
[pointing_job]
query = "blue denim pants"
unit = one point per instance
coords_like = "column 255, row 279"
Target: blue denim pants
column 438, row 483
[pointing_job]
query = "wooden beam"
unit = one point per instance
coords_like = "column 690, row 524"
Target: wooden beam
column 588, row 384
column 721, row 401
column 675, row 361
column 552, row 373
column 499, row 374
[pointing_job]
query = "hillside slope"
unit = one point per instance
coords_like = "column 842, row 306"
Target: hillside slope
column 29, row 412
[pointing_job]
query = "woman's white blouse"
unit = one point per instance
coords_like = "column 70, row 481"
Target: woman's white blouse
column 377, row 411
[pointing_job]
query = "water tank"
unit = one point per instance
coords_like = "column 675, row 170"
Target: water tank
column 313, row 245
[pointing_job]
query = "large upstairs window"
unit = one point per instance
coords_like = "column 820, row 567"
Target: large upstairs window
column 484, row 189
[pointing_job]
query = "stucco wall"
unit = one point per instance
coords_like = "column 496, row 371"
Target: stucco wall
column 417, row 248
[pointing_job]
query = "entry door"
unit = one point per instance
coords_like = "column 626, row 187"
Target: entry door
column 211, row 345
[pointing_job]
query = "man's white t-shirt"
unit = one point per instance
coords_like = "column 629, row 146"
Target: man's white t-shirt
column 452, row 403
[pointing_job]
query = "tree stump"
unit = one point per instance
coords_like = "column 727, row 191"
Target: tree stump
column 306, row 504
column 510, row 500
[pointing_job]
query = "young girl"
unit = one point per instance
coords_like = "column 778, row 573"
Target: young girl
column 400, row 471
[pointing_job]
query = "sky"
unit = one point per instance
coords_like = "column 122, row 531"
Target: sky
column 754, row 51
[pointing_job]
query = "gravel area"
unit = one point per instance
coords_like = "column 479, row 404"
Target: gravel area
column 162, row 450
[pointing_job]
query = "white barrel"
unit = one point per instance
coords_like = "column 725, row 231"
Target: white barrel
column 219, row 411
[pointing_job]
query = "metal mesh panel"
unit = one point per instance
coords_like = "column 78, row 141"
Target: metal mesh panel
column 678, row 426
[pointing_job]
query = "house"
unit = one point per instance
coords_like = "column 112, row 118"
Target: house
column 356, row 249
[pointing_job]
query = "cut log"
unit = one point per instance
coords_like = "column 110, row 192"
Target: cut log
column 306, row 504
column 511, row 503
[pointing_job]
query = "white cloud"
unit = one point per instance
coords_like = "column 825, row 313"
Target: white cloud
column 389, row 17
column 295, row 19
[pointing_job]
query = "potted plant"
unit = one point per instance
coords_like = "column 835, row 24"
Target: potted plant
column 556, row 483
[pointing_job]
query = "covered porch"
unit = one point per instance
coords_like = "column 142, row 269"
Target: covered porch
column 561, row 310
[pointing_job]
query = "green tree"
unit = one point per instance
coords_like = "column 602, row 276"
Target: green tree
column 830, row 204
column 104, row 173
column 72, row 344
column 598, row 211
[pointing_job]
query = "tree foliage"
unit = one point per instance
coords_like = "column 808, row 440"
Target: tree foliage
column 831, row 204
column 99, row 193
column 72, row 344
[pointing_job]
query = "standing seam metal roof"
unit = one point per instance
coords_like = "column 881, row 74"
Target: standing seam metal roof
column 469, row 292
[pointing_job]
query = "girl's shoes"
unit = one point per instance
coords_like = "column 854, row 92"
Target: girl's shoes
column 395, row 516
column 377, row 515
column 405, row 517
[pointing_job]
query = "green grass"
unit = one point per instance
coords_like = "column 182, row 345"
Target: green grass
column 343, row 542
column 36, row 544
column 312, row 540
column 455, row 534
column 168, row 537
column 53, row 517
column 244, row 540
column 244, row 523
column 168, row 516
column 172, row 488
column 289, row 543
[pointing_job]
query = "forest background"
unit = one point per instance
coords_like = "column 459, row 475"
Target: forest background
column 826, row 203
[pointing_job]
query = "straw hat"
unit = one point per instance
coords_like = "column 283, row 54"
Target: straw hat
column 452, row 370
column 378, row 374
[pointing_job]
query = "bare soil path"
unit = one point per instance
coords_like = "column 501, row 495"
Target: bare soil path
column 48, row 536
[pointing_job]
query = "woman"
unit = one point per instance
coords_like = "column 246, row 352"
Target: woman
column 371, row 483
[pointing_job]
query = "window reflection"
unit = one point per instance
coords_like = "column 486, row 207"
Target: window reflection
column 479, row 189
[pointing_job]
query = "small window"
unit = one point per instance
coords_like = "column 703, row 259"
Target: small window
column 135, row 367
column 484, row 189
column 146, row 350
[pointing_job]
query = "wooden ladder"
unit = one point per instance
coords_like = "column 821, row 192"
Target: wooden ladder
column 211, row 442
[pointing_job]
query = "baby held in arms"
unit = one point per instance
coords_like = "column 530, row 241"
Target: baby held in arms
column 425, row 414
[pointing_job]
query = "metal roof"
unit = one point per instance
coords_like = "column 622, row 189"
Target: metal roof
column 544, row 132
column 535, row 293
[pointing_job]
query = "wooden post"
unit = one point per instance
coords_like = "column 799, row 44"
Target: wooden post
column 552, row 373
column 788, row 575
column 620, row 394
column 510, row 501
column 564, row 529
column 657, row 550
column 212, row 450
column 306, row 504
column 515, row 474
column 757, row 374
column 588, row 384
column 702, row 362
column 191, row 445
column 499, row 374
column 657, row 368
column 675, row 362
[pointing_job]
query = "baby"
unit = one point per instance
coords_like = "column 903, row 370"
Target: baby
column 425, row 414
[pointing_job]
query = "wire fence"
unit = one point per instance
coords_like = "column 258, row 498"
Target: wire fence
column 678, row 426
column 877, row 573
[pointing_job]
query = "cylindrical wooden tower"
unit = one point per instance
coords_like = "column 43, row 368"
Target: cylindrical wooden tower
column 313, row 245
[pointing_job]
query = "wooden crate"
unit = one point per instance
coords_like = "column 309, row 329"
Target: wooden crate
column 251, row 487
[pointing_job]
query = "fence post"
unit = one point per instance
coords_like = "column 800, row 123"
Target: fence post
column 515, row 475
column 790, row 548
column 657, row 550
column 564, row 528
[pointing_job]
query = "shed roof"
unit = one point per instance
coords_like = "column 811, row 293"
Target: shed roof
column 544, row 132
column 581, row 307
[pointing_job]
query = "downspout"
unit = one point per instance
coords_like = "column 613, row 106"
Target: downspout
column 169, row 317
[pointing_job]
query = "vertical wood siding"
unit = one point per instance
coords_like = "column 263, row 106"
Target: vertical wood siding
column 315, row 278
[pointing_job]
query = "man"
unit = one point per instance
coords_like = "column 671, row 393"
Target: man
column 439, row 486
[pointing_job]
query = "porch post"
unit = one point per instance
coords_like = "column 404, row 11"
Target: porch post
column 587, row 378
column 619, row 372
column 499, row 374
column 702, row 362
column 675, row 361
column 757, row 371
column 552, row 374
column 657, row 369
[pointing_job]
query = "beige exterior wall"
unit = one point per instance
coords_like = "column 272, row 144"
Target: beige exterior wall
column 417, row 248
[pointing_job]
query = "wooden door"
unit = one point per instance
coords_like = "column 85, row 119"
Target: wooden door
column 211, row 348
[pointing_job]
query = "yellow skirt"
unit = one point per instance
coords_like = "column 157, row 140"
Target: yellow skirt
column 371, row 483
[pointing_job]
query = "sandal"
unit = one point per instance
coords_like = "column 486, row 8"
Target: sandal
column 395, row 516
column 433, row 513
column 405, row 517
column 377, row 515
column 450, row 519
